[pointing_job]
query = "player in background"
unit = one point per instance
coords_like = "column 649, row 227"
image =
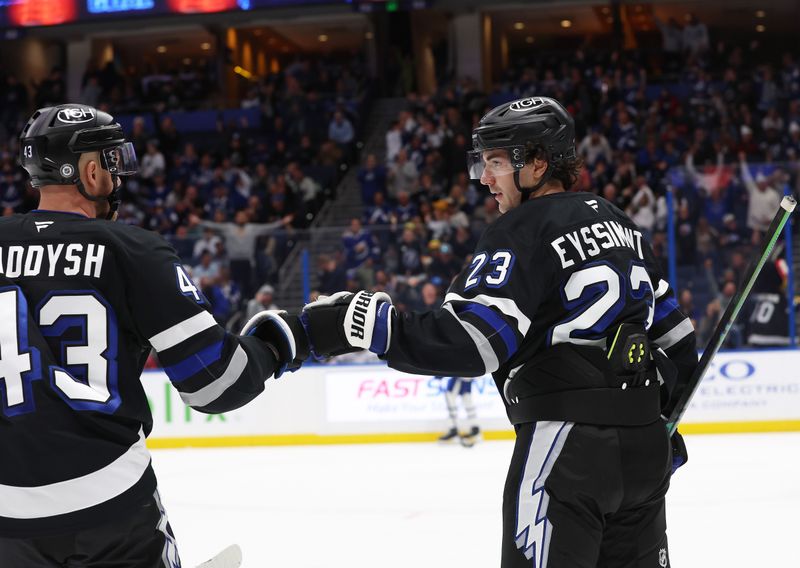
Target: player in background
column 456, row 388
column 565, row 305
column 83, row 301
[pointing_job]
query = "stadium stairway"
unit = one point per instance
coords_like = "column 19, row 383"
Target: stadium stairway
column 324, row 236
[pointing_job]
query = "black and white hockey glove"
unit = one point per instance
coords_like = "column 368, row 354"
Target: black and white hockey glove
column 347, row 322
column 283, row 334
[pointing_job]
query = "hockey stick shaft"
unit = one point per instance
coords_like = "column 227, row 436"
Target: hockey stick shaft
column 734, row 307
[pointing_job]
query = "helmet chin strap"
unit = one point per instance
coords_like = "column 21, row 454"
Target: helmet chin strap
column 527, row 192
column 113, row 198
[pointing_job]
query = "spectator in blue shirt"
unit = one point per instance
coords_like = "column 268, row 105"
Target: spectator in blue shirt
column 358, row 244
column 372, row 178
column 340, row 130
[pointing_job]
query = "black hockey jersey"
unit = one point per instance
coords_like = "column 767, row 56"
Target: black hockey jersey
column 768, row 324
column 565, row 267
column 83, row 301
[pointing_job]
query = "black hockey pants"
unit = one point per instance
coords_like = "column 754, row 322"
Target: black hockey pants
column 580, row 496
column 142, row 540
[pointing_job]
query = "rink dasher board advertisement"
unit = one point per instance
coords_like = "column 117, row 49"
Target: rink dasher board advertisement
column 743, row 391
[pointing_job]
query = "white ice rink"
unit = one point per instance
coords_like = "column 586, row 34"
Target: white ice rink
column 735, row 504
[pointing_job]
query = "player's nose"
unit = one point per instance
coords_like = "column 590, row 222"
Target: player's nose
column 487, row 178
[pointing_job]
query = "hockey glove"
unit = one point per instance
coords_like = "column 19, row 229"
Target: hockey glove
column 283, row 334
column 347, row 322
column 679, row 454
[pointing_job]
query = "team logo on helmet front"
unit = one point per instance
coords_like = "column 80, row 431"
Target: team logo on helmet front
column 75, row 115
column 524, row 104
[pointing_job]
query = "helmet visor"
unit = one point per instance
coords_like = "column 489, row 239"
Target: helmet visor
column 495, row 161
column 120, row 160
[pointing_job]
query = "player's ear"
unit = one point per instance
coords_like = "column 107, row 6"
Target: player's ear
column 538, row 167
column 86, row 169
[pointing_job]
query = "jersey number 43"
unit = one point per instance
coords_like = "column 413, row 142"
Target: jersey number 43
column 94, row 356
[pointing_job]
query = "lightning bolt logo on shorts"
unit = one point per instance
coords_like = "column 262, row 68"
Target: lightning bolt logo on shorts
column 533, row 529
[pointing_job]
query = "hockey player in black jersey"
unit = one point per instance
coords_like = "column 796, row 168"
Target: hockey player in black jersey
column 564, row 304
column 84, row 300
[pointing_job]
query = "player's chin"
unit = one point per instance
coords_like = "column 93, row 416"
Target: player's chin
column 502, row 202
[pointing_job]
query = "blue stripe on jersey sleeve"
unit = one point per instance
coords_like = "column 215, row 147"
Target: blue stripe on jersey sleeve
column 380, row 334
column 495, row 321
column 664, row 308
column 194, row 364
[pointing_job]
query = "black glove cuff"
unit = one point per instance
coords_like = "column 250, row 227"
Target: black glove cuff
column 324, row 326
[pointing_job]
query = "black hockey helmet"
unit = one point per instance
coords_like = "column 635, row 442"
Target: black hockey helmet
column 55, row 137
column 512, row 126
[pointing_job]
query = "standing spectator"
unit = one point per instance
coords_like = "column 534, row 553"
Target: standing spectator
column 240, row 242
column 671, row 42
column 764, row 200
column 642, row 207
column 372, row 178
column 695, row 37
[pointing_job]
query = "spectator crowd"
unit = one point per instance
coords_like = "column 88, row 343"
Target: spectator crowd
column 231, row 198
column 714, row 126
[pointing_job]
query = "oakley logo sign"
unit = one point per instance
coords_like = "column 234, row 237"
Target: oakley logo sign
column 75, row 115
column 524, row 104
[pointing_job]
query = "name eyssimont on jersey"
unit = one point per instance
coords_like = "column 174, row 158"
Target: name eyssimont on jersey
column 52, row 260
column 591, row 239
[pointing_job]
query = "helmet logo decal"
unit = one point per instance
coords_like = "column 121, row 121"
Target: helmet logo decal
column 66, row 171
column 75, row 115
column 517, row 154
column 524, row 104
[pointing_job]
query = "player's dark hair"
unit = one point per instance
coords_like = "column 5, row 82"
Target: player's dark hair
column 564, row 169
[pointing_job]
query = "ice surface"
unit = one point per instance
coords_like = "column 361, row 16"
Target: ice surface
column 424, row 505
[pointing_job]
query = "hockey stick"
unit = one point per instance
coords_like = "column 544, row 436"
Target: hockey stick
column 734, row 306
column 231, row 557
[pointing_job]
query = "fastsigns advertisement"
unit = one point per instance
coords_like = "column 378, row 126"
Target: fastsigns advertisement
column 742, row 388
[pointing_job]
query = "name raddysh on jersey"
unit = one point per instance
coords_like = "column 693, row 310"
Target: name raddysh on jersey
column 592, row 239
column 52, row 260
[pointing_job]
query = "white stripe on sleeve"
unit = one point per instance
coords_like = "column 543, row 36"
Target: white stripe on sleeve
column 182, row 331
column 485, row 350
column 674, row 335
column 214, row 390
column 505, row 305
column 663, row 286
